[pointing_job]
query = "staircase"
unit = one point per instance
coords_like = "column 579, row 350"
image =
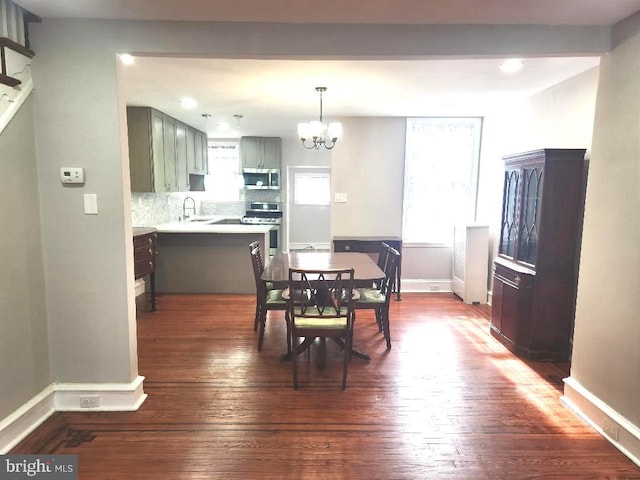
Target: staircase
column 15, row 58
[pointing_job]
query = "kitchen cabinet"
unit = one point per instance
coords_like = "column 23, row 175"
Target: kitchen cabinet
column 161, row 156
column 261, row 152
column 536, row 270
column 144, row 258
column 201, row 154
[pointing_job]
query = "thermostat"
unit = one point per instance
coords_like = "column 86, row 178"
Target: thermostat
column 72, row 175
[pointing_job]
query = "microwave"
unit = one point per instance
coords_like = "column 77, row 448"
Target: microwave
column 261, row 178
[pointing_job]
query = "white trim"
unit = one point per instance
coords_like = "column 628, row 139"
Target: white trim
column 15, row 427
column 604, row 419
column 426, row 286
column 113, row 397
column 18, row 100
column 490, row 297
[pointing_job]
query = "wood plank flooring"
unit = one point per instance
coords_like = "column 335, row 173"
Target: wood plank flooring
column 447, row 401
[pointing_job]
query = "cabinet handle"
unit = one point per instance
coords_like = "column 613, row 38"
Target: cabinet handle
column 151, row 251
column 347, row 248
column 517, row 279
column 150, row 264
column 150, row 240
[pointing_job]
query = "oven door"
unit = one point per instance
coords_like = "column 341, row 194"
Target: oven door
column 274, row 240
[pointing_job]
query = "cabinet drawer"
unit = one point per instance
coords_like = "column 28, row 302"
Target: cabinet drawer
column 144, row 240
column 356, row 246
column 144, row 254
column 513, row 277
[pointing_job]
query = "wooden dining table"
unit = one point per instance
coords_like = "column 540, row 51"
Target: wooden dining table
column 366, row 271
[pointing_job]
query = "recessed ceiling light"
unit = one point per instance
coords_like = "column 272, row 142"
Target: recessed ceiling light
column 187, row 102
column 512, row 65
column 126, row 59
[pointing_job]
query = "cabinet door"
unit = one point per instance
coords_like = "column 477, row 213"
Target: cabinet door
column 509, row 225
column 170, row 164
column 272, row 152
column 531, row 179
column 157, row 134
column 191, row 151
column 251, row 152
column 200, row 156
column 181, row 157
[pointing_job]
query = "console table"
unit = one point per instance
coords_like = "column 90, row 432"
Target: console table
column 371, row 245
column 144, row 257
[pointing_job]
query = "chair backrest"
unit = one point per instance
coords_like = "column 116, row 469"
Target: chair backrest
column 391, row 268
column 321, row 293
column 258, row 268
column 383, row 256
column 256, row 246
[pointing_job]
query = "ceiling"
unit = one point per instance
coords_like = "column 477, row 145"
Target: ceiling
column 274, row 95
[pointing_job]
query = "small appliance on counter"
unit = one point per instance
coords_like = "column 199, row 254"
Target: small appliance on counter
column 261, row 178
column 265, row 213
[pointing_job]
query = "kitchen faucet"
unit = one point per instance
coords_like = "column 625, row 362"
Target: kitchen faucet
column 186, row 207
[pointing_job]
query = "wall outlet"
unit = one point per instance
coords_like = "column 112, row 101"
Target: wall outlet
column 90, row 401
column 611, row 428
column 434, row 288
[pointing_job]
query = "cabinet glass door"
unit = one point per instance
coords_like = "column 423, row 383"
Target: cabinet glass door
column 508, row 228
column 528, row 235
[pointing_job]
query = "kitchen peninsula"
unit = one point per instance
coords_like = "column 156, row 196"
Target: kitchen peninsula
column 207, row 255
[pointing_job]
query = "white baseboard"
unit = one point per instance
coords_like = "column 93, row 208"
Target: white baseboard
column 68, row 397
column 108, row 397
column 619, row 431
column 426, row 286
column 26, row 419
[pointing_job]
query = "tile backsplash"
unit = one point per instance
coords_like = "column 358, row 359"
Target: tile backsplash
column 150, row 209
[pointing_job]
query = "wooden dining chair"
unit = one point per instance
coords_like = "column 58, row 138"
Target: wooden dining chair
column 377, row 298
column 266, row 298
column 320, row 304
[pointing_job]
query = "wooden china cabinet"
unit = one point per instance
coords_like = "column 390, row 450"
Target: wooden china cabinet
column 536, row 270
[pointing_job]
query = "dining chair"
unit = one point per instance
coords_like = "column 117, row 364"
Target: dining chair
column 320, row 304
column 378, row 297
column 266, row 298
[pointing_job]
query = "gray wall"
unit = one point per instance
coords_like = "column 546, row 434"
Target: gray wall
column 80, row 122
column 24, row 346
column 606, row 358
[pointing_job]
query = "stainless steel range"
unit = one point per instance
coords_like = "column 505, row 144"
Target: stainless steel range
column 266, row 213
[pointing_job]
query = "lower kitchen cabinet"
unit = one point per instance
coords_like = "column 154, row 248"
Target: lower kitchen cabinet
column 145, row 242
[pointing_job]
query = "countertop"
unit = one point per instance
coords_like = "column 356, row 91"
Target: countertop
column 142, row 230
column 203, row 227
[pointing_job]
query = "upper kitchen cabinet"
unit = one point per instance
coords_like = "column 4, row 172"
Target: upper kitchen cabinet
column 261, row 152
column 162, row 151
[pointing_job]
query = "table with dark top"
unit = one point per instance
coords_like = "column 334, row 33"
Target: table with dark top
column 365, row 270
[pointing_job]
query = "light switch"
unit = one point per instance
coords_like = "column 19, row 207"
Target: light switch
column 90, row 204
column 340, row 198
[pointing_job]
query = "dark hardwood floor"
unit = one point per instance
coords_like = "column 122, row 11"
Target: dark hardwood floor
column 447, row 401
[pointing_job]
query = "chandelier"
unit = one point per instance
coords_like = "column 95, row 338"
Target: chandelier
column 318, row 132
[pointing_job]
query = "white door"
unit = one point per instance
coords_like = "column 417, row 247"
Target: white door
column 308, row 208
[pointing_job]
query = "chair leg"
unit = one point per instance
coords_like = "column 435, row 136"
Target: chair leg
column 286, row 319
column 256, row 320
column 263, row 321
column 385, row 322
column 294, row 362
column 379, row 320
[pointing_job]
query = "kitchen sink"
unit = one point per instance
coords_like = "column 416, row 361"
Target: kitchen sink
column 227, row 221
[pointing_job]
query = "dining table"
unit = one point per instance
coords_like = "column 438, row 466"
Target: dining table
column 365, row 273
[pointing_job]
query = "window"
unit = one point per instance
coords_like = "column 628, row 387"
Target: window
column 312, row 189
column 440, row 178
column 225, row 181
